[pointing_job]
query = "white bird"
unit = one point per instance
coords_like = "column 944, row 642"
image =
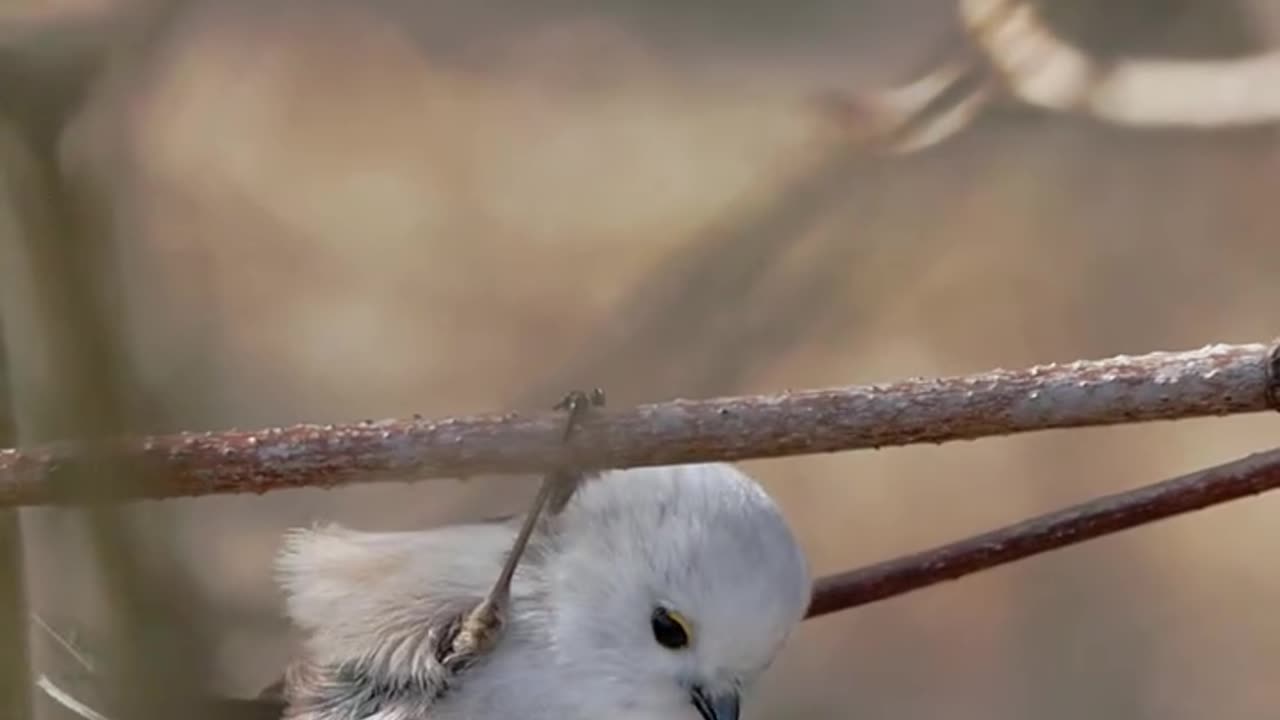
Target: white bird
column 655, row 593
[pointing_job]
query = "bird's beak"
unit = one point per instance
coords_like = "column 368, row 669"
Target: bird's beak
column 723, row 706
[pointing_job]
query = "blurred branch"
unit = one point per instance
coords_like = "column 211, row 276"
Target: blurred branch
column 1043, row 70
column 47, row 66
column 15, row 700
column 1214, row 380
column 919, row 114
column 61, row 235
column 1241, row 478
column 1010, row 52
column 15, row 696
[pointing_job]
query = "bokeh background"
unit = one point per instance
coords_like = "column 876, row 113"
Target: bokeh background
column 329, row 210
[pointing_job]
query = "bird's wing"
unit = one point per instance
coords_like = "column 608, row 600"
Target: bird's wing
column 374, row 606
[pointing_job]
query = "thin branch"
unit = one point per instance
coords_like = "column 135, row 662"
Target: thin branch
column 1241, row 478
column 1214, row 380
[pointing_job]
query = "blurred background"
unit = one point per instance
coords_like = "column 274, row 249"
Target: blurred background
column 237, row 214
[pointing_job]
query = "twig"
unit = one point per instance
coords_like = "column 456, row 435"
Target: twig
column 1215, row 380
column 1247, row 476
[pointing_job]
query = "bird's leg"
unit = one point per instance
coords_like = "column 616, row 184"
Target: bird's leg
column 562, row 483
column 480, row 627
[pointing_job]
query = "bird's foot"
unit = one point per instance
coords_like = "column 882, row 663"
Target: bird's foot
column 578, row 402
column 475, row 635
column 478, row 631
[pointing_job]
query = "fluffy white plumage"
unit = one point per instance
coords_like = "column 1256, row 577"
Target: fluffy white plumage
column 703, row 541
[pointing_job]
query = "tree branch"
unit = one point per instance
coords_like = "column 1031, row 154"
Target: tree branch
column 1214, row 380
column 1247, row 476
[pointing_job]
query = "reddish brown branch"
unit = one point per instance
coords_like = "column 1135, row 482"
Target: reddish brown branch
column 1248, row 476
column 1216, row 380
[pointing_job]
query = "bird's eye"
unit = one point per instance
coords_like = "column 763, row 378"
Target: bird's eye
column 669, row 628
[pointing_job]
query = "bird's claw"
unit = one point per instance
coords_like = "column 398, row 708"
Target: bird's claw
column 560, row 484
column 476, row 634
column 578, row 402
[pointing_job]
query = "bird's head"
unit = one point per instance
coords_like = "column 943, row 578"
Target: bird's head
column 673, row 588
